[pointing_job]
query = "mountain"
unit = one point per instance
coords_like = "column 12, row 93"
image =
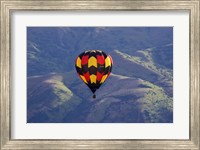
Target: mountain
column 54, row 99
column 139, row 89
column 49, row 98
column 50, row 49
column 142, row 65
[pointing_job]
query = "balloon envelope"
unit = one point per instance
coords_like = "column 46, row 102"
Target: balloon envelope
column 93, row 67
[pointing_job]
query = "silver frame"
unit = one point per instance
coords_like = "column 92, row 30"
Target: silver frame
column 7, row 6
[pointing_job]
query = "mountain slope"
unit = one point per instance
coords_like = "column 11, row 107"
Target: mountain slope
column 50, row 49
column 129, row 100
column 142, row 65
column 48, row 99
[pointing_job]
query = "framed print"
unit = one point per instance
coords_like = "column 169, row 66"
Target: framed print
column 99, row 74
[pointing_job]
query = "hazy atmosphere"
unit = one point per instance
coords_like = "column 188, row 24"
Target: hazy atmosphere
column 139, row 89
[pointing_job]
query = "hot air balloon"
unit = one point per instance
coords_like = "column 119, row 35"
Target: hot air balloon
column 93, row 67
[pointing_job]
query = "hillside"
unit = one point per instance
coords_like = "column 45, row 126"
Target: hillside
column 130, row 100
column 50, row 49
column 142, row 65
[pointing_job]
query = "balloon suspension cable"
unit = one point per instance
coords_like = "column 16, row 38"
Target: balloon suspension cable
column 94, row 96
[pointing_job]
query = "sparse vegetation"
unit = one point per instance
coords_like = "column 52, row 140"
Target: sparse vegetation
column 154, row 101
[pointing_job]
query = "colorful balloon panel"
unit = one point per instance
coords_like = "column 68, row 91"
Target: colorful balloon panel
column 93, row 67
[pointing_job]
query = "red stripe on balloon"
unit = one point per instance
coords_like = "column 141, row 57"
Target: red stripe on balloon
column 84, row 60
column 100, row 59
column 99, row 76
column 87, row 76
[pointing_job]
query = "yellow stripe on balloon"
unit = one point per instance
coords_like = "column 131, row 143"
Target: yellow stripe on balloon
column 107, row 62
column 92, row 62
column 83, row 78
column 103, row 78
column 93, row 78
column 78, row 62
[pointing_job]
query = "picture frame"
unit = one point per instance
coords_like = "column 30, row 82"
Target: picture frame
column 7, row 7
